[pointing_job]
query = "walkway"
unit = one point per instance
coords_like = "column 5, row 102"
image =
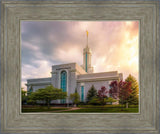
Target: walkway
column 70, row 109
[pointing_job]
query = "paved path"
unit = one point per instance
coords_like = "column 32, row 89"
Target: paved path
column 70, row 109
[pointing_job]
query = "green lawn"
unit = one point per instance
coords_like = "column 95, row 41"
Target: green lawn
column 41, row 109
column 107, row 106
column 103, row 110
column 84, row 109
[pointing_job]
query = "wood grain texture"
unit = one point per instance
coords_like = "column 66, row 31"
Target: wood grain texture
column 146, row 121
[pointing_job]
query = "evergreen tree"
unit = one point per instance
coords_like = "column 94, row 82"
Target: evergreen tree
column 134, row 97
column 92, row 92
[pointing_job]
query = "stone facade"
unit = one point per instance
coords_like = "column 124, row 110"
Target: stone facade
column 38, row 83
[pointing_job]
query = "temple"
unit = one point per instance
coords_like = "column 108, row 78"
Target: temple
column 71, row 76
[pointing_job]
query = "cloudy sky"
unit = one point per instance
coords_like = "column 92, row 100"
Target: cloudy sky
column 114, row 46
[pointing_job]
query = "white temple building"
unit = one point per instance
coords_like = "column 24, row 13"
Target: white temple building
column 71, row 76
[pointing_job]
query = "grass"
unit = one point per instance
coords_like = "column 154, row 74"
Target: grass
column 84, row 109
column 103, row 110
column 40, row 109
column 107, row 106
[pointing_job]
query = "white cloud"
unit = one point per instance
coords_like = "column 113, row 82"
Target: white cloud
column 114, row 46
column 29, row 71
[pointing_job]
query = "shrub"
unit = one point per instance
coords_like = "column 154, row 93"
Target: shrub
column 95, row 101
column 111, row 100
column 82, row 103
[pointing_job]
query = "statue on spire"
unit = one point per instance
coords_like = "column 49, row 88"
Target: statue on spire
column 87, row 33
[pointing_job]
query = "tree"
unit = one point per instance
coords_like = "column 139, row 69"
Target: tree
column 120, row 90
column 102, row 95
column 114, row 89
column 92, row 92
column 23, row 96
column 48, row 94
column 133, row 97
column 30, row 100
column 75, row 97
column 124, row 91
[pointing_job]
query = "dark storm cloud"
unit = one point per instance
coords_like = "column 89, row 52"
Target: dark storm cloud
column 48, row 36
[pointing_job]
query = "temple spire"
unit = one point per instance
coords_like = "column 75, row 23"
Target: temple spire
column 87, row 53
column 87, row 37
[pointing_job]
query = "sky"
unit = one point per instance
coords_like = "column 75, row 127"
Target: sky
column 114, row 46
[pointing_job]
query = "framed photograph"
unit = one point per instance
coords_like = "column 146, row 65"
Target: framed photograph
column 80, row 66
column 107, row 80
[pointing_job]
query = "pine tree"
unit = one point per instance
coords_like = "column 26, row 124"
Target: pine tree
column 134, row 97
column 92, row 92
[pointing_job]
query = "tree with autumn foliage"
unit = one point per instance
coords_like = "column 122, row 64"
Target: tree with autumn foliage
column 114, row 90
column 120, row 90
column 124, row 91
column 133, row 97
column 102, row 95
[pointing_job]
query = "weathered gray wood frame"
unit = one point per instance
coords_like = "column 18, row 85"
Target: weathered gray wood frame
column 146, row 121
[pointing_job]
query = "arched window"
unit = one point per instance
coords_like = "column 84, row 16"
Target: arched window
column 63, row 83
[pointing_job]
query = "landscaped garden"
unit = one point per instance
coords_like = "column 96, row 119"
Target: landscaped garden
column 122, row 97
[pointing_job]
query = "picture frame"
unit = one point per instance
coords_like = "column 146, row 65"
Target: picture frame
column 13, row 121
